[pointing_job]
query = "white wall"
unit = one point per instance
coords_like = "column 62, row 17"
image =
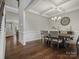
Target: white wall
column 2, row 38
column 30, row 24
column 74, row 16
column 73, row 19
column 74, row 23
column 34, row 24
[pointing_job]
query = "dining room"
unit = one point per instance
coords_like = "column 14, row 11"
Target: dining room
column 48, row 29
column 64, row 33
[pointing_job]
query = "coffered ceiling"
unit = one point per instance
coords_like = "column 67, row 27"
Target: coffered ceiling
column 49, row 8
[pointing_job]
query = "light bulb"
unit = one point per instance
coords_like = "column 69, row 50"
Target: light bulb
column 52, row 18
column 59, row 18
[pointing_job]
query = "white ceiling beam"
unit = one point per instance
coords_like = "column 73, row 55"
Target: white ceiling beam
column 32, row 11
column 37, row 13
column 47, row 11
column 51, row 9
column 11, row 9
column 45, row 15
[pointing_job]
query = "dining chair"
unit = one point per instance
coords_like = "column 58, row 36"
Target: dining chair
column 77, row 45
column 45, row 37
column 66, row 36
column 54, row 35
column 74, row 48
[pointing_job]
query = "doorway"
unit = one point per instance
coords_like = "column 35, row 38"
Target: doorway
column 11, row 31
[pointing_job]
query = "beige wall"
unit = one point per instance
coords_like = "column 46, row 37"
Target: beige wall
column 34, row 24
column 2, row 38
column 74, row 23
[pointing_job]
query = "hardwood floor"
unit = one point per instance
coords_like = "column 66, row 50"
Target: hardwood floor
column 34, row 50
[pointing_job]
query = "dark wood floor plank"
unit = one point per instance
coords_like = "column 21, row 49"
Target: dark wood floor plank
column 34, row 50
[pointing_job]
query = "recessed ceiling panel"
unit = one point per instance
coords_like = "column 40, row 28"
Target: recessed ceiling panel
column 42, row 6
column 59, row 2
column 70, row 5
column 53, row 7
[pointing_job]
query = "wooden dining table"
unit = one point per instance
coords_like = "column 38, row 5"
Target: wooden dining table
column 65, row 37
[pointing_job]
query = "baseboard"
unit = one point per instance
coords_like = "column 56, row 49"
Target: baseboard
column 34, row 40
column 21, row 41
column 37, row 40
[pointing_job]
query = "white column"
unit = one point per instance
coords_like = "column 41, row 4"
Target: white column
column 22, row 20
column 21, row 26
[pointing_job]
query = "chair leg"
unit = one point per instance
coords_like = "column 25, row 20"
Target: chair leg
column 44, row 41
column 41, row 40
column 77, row 51
column 51, row 43
column 58, row 45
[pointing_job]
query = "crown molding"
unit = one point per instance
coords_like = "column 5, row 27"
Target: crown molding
column 11, row 9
